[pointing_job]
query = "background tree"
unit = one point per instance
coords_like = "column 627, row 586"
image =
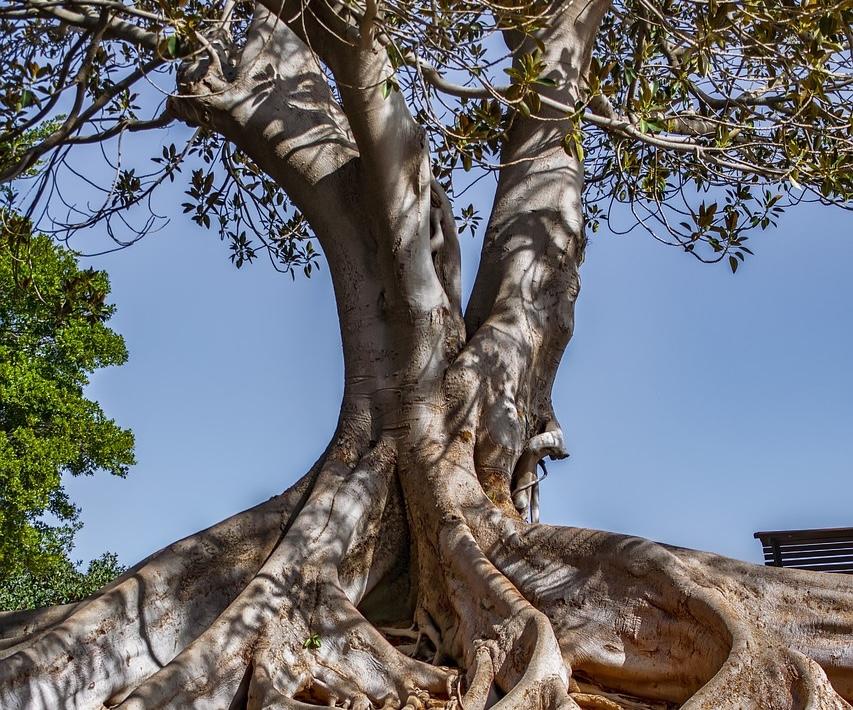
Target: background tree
column 349, row 124
column 53, row 334
column 61, row 583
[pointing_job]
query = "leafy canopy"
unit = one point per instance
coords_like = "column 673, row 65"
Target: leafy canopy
column 53, row 335
column 705, row 119
column 61, row 584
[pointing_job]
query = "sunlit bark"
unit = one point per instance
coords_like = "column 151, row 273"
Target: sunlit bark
column 402, row 572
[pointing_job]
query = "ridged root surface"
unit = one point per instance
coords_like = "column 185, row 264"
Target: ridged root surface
column 264, row 611
column 689, row 628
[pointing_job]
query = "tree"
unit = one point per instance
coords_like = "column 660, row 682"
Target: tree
column 63, row 583
column 53, row 334
column 347, row 124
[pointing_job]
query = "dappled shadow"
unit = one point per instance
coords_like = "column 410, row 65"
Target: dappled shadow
column 662, row 622
column 139, row 622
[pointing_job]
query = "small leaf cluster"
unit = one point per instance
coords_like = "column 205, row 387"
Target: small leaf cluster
column 312, row 642
column 739, row 110
column 231, row 194
column 468, row 220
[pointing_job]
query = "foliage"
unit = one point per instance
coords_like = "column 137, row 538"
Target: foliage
column 753, row 98
column 13, row 149
column 61, row 584
column 53, row 334
column 705, row 119
column 312, row 642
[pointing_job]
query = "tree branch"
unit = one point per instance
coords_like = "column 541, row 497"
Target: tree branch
column 77, row 117
column 129, row 126
column 392, row 147
column 116, row 29
column 520, row 315
column 602, row 114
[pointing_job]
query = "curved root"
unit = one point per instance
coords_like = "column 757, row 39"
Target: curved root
column 687, row 627
column 293, row 632
column 423, row 626
column 780, row 677
column 481, row 676
column 350, row 662
column 509, row 646
column 70, row 660
column 525, row 483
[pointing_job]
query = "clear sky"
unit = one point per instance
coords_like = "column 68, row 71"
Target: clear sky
column 699, row 406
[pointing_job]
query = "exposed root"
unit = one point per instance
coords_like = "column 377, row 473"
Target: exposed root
column 525, row 483
column 423, row 626
column 686, row 627
column 16, row 627
column 349, row 662
column 780, row 677
column 293, row 638
column 592, row 697
column 136, row 625
column 262, row 613
column 587, row 701
column 509, row 646
column 481, row 677
column 409, row 633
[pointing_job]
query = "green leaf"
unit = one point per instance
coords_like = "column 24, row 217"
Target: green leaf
column 313, row 642
column 172, row 46
column 389, row 85
column 573, row 145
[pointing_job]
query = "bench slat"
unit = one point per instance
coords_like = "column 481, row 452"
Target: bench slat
column 809, row 559
column 793, row 535
column 794, row 554
column 808, row 548
column 836, row 567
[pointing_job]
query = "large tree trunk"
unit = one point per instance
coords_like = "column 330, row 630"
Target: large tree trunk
column 401, row 572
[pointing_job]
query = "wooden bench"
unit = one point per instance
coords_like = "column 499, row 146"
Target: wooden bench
column 827, row 550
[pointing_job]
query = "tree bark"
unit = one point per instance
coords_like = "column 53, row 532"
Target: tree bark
column 401, row 571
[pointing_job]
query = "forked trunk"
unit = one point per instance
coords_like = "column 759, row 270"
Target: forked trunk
column 402, row 571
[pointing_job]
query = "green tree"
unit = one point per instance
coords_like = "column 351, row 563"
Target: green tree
column 61, row 583
column 53, row 335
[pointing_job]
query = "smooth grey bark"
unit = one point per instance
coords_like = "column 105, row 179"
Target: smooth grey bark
column 401, row 572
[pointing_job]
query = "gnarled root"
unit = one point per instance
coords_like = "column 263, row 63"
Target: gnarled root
column 284, row 631
column 347, row 662
column 682, row 626
column 92, row 650
column 293, row 630
column 262, row 612
column 508, row 645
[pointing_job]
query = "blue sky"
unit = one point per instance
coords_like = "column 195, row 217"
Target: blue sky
column 699, row 406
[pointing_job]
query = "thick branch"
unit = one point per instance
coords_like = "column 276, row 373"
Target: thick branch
column 521, row 310
column 278, row 109
column 392, row 147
